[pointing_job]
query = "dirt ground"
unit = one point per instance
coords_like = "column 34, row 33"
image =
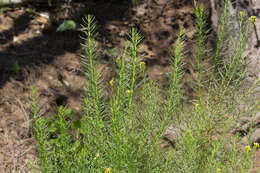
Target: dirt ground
column 50, row 61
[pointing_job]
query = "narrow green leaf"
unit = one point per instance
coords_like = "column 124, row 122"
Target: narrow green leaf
column 76, row 125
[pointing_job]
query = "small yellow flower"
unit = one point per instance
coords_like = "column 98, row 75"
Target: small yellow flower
column 112, row 83
column 247, row 148
column 118, row 61
column 142, row 66
column 108, row 170
column 219, row 170
column 241, row 14
column 128, row 92
column 256, row 145
column 252, row 19
column 197, row 107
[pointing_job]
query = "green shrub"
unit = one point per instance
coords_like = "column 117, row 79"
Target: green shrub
column 124, row 133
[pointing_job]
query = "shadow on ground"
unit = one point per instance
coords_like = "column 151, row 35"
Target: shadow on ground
column 22, row 44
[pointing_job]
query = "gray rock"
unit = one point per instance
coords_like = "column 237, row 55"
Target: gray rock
column 173, row 132
column 256, row 120
column 245, row 123
column 232, row 28
column 141, row 10
column 256, row 136
column 243, row 126
column 244, row 120
column 252, row 51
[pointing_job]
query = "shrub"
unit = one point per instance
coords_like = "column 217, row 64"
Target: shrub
column 124, row 133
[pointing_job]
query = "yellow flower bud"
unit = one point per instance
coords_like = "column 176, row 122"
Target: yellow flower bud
column 112, row 83
column 142, row 66
column 247, row 148
column 108, row 170
column 197, row 107
column 128, row 92
column 241, row 14
column 118, row 61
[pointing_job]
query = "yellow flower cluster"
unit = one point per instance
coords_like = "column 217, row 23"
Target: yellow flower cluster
column 252, row 19
column 256, row 145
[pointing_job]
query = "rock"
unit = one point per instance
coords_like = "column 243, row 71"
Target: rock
column 172, row 134
column 249, row 7
column 122, row 33
column 256, row 120
column 243, row 126
column 245, row 123
column 244, row 120
column 141, row 10
column 256, row 136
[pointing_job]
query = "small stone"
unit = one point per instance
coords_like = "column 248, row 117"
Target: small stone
column 122, row 33
column 50, row 77
column 242, row 126
column 256, row 120
column 45, row 15
column 42, row 20
column 172, row 134
column 15, row 39
column 126, row 23
column 245, row 127
column 244, row 120
column 38, row 32
column 66, row 83
column 256, row 136
column 141, row 10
